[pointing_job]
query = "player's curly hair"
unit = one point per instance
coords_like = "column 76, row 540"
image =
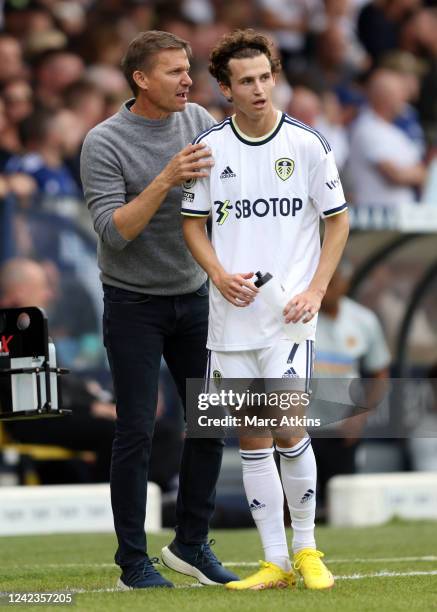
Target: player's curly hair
column 240, row 44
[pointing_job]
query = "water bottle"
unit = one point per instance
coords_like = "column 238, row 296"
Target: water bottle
column 273, row 294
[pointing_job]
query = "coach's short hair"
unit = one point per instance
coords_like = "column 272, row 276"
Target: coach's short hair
column 142, row 50
column 238, row 45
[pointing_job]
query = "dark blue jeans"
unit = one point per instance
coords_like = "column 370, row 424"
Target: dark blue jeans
column 138, row 329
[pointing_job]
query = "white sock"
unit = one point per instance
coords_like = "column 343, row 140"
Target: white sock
column 299, row 479
column 266, row 501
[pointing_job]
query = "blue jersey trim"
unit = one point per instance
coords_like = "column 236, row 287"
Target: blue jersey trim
column 304, row 126
column 215, row 128
column 334, row 211
column 195, row 213
column 257, row 143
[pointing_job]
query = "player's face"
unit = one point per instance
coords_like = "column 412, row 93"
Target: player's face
column 251, row 86
column 165, row 86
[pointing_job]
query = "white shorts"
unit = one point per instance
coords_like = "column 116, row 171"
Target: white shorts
column 292, row 363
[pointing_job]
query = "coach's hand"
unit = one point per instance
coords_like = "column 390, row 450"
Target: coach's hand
column 303, row 306
column 237, row 288
column 190, row 163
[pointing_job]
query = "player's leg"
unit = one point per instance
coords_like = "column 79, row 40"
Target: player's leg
column 261, row 482
column 265, row 497
column 134, row 341
column 186, row 356
column 293, row 365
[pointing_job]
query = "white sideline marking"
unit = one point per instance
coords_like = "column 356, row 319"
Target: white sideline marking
column 385, row 574
column 232, row 563
column 197, row 585
column 358, row 560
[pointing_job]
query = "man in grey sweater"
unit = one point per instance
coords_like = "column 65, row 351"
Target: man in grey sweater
column 155, row 297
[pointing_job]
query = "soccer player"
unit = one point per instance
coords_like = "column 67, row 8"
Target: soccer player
column 274, row 177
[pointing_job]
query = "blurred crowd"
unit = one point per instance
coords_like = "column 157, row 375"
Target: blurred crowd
column 352, row 69
column 364, row 73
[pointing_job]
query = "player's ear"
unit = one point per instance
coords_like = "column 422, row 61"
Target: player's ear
column 226, row 91
column 141, row 80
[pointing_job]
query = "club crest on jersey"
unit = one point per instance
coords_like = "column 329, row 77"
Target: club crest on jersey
column 284, row 168
column 189, row 184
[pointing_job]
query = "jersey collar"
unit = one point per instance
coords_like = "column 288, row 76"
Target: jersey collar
column 261, row 139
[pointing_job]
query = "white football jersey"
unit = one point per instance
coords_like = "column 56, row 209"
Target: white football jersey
column 265, row 197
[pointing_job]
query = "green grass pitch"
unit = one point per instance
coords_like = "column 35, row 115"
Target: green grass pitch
column 392, row 567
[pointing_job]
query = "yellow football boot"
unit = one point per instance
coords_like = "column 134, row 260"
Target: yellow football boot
column 308, row 562
column 269, row 576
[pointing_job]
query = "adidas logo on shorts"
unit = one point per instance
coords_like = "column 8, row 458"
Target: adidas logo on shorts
column 290, row 373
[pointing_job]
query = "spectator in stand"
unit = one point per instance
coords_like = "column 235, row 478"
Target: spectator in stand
column 309, row 108
column 411, row 69
column 24, row 282
column 205, row 92
column 25, row 17
column 71, row 17
column 343, row 13
column 385, row 167
column 20, row 186
column 333, row 66
column 199, row 11
column 380, row 23
column 17, row 97
column 87, row 101
column 290, row 23
column 5, row 151
column 47, row 139
column 54, row 71
column 111, row 83
column 419, row 37
column 235, row 15
column 89, row 105
column 350, row 341
column 103, row 44
column 11, row 58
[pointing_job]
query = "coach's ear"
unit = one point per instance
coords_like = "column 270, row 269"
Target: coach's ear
column 226, row 91
column 141, row 79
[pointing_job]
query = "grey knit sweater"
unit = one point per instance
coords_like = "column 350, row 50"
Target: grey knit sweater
column 120, row 157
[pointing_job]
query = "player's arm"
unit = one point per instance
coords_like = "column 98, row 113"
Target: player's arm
column 236, row 288
column 307, row 303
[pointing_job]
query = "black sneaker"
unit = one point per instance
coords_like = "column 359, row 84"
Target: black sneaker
column 198, row 561
column 148, row 577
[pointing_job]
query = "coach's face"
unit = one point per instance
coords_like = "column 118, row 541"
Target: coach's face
column 165, row 85
column 251, row 85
